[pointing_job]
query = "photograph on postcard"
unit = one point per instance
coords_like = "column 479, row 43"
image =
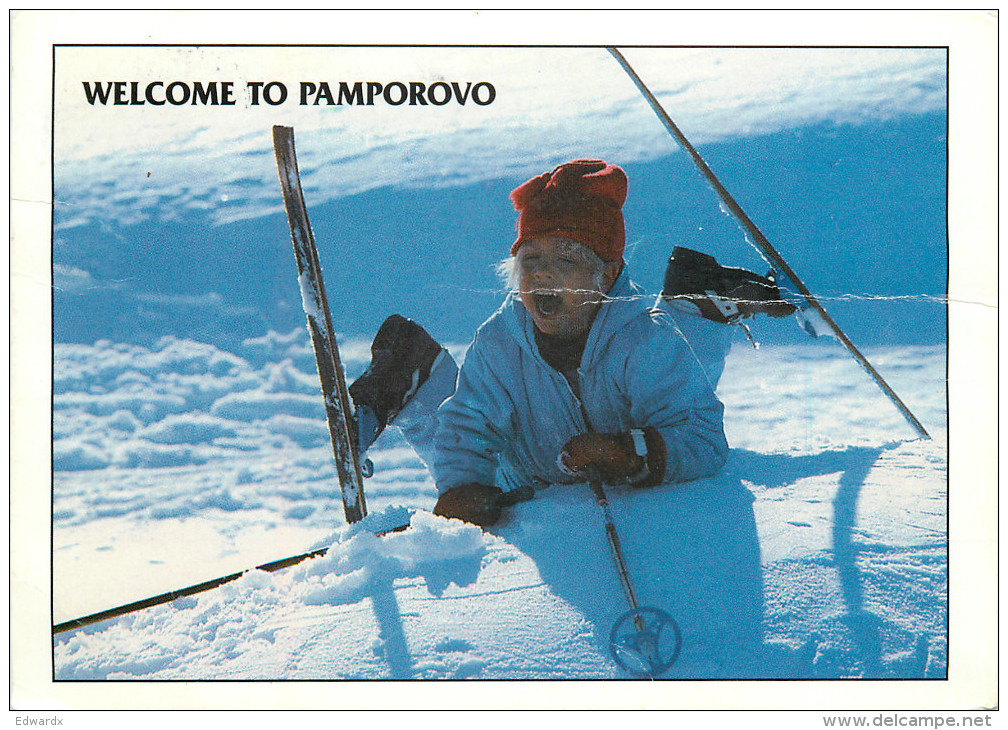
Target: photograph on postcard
column 498, row 363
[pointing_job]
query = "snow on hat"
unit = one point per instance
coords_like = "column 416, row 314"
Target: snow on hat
column 580, row 200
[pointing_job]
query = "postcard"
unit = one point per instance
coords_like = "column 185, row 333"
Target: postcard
column 598, row 374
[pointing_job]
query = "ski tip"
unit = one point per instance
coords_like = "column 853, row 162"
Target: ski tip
column 282, row 133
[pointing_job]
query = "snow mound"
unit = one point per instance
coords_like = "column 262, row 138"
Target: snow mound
column 439, row 551
column 244, row 616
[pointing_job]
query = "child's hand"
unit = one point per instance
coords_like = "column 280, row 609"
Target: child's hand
column 475, row 503
column 611, row 453
column 635, row 456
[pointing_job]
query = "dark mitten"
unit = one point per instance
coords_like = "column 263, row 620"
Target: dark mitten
column 475, row 503
column 636, row 456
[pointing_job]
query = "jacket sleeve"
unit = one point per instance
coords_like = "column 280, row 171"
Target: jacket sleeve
column 471, row 424
column 669, row 390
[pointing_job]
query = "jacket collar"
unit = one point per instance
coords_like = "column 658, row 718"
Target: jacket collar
column 624, row 302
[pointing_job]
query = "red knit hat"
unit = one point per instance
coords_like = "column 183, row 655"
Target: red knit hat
column 580, row 200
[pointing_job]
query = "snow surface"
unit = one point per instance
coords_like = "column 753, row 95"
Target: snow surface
column 822, row 556
column 189, row 436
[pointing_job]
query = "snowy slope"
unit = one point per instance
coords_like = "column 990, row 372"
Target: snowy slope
column 867, row 238
column 822, row 538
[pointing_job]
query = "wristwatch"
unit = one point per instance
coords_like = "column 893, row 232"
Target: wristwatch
column 640, row 448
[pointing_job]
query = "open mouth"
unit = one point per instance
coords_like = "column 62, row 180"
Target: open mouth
column 547, row 304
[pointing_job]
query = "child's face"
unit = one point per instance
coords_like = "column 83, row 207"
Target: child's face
column 558, row 288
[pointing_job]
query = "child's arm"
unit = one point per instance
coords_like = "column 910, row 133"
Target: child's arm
column 669, row 391
column 470, row 432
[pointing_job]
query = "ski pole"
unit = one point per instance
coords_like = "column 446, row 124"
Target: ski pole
column 595, row 482
column 654, row 643
column 761, row 241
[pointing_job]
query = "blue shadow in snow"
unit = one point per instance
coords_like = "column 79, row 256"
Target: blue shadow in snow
column 695, row 544
column 696, row 551
column 854, row 463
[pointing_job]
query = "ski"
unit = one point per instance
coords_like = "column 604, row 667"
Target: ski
column 813, row 315
column 170, row 596
column 316, row 308
column 208, row 585
column 521, row 494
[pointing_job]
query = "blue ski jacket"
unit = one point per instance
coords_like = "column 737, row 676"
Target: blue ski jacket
column 511, row 413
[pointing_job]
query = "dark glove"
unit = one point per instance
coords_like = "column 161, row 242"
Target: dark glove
column 635, row 456
column 475, row 503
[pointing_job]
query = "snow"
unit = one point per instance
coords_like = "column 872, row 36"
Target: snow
column 309, row 302
column 823, row 556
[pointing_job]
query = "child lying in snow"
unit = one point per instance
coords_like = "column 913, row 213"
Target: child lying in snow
column 575, row 370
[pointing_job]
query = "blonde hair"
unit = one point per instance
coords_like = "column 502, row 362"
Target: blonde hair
column 507, row 269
